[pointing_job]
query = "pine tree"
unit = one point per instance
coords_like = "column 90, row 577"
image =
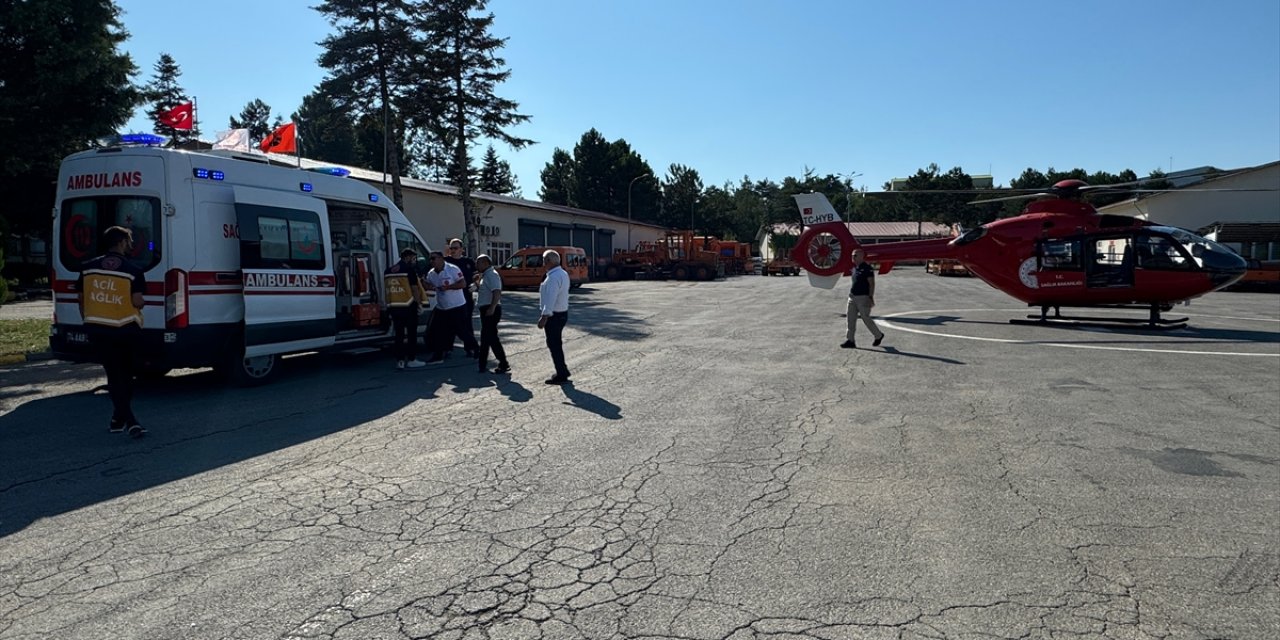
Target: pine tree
column 466, row 71
column 326, row 128
column 372, row 60
column 254, row 117
column 496, row 176
column 64, row 83
column 165, row 93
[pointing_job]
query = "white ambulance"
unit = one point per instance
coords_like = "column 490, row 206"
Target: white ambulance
column 245, row 261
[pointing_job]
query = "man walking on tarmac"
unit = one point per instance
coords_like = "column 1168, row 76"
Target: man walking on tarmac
column 110, row 291
column 404, row 296
column 487, row 296
column 861, row 298
column 553, row 301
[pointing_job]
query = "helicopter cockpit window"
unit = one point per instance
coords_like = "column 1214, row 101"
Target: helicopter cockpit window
column 1159, row 252
column 1060, row 254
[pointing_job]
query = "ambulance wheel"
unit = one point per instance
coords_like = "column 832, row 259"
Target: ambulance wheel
column 248, row 372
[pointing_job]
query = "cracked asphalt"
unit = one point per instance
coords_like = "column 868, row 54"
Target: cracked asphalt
column 719, row 469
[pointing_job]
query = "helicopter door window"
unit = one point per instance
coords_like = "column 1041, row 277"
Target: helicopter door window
column 1060, row 255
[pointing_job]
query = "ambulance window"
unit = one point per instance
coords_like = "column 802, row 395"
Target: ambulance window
column 274, row 234
column 82, row 222
column 276, row 238
column 304, row 241
column 406, row 240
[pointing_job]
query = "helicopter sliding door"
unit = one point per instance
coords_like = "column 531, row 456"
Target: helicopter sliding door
column 1109, row 262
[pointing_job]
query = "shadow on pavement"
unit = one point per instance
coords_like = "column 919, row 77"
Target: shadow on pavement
column 593, row 317
column 56, row 455
column 898, row 352
column 591, row 402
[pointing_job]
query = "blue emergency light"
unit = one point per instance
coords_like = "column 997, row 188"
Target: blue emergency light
column 333, row 171
column 141, row 138
column 373, row 197
column 206, row 174
column 305, row 186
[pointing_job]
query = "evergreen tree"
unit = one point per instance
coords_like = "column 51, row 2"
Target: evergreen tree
column 466, row 72
column 64, row 83
column 558, row 182
column 373, row 59
column 326, row 128
column 681, row 192
column 496, row 176
column 254, row 117
column 165, row 93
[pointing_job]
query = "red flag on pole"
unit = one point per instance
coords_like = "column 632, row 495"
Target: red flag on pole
column 282, row 140
column 178, row 117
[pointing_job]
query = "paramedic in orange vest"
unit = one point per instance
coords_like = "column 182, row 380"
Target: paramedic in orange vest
column 404, row 296
column 111, row 307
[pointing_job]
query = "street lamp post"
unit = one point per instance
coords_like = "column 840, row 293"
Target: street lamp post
column 633, row 183
column 848, row 194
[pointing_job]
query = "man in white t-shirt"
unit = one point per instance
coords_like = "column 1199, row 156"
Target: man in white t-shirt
column 451, row 308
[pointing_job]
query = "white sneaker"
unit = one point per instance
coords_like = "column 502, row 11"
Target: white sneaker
column 415, row 364
column 399, row 364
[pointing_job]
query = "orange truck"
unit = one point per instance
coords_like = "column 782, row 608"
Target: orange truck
column 678, row 255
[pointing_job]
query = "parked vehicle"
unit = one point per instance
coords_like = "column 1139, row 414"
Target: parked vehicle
column 782, row 266
column 946, row 268
column 677, row 255
column 526, row 269
column 244, row 261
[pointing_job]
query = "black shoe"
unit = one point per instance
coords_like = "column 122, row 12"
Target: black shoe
column 117, row 426
column 878, row 341
column 556, row 380
column 501, row 369
column 435, row 359
column 136, row 431
column 848, row 344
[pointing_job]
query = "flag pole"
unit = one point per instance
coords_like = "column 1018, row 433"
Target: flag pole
column 195, row 122
column 297, row 143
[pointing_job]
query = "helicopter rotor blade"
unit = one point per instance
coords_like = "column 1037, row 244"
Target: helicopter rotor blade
column 1023, row 196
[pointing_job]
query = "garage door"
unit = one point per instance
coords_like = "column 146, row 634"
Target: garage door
column 584, row 238
column 604, row 247
column 559, row 235
column 533, row 233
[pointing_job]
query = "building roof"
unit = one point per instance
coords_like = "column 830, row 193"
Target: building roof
column 876, row 229
column 445, row 189
column 897, row 229
column 1244, row 231
column 1206, row 184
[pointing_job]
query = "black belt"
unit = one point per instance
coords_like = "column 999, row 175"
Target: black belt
column 559, row 313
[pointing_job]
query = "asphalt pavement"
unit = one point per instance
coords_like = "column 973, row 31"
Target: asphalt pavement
column 719, row 468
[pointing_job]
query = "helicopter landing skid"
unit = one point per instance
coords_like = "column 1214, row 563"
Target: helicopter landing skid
column 1154, row 321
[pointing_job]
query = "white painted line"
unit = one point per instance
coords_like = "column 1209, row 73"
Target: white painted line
column 886, row 319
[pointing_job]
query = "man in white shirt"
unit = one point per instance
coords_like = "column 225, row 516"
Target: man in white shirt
column 488, row 294
column 450, row 314
column 553, row 301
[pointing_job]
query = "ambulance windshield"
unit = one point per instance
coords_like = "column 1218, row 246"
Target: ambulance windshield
column 83, row 220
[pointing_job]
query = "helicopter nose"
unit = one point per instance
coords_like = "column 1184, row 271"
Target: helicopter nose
column 1224, row 267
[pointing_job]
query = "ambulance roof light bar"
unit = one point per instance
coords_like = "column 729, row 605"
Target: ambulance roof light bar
column 333, row 171
column 146, row 139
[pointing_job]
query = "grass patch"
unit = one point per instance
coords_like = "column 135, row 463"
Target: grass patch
column 18, row 337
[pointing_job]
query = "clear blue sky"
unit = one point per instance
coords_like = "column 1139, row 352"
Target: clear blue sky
column 764, row 88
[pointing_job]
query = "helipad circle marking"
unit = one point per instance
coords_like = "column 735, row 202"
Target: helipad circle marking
column 886, row 319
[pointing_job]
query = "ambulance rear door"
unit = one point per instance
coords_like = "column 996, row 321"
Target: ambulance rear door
column 289, row 284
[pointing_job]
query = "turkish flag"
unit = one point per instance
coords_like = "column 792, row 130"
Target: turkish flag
column 283, row 140
column 178, row 117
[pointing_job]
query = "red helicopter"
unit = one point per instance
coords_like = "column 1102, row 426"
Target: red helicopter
column 1060, row 252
